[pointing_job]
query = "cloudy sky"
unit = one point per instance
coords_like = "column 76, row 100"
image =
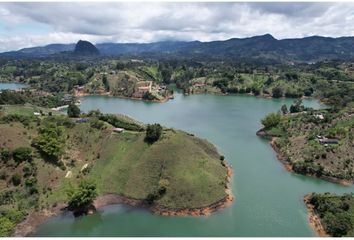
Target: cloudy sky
column 33, row 24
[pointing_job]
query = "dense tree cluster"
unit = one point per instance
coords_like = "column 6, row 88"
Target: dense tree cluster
column 116, row 121
column 19, row 154
column 73, row 110
column 51, row 141
column 33, row 97
column 82, row 197
column 22, row 154
column 8, row 220
column 271, row 120
column 335, row 212
column 153, row 133
column 308, row 168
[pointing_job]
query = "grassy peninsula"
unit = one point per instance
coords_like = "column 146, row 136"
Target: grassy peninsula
column 44, row 155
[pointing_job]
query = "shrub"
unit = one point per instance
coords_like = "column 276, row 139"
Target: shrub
column 31, row 185
column 16, row 179
column 73, row 110
column 3, row 175
column 82, row 196
column 297, row 106
column 118, row 121
column 291, row 93
column 21, row 154
column 163, row 185
column 25, row 120
column 256, row 91
column 29, row 169
column 337, row 225
column 148, row 96
column 277, row 92
column 6, row 226
column 50, row 141
column 8, row 221
column 153, row 133
column 284, row 109
column 222, row 84
column 95, row 123
column 5, row 155
column 308, row 92
column 271, row 120
column 232, row 90
column 308, row 168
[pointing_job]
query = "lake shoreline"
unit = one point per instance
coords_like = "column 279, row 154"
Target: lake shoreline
column 108, row 94
column 313, row 218
column 35, row 219
column 288, row 166
column 262, row 96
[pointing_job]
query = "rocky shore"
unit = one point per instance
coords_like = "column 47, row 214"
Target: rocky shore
column 314, row 219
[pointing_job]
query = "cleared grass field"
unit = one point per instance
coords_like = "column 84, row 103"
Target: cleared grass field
column 189, row 167
column 27, row 110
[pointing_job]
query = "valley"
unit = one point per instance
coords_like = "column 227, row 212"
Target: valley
column 178, row 174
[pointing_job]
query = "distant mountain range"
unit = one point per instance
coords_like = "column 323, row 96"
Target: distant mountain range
column 257, row 48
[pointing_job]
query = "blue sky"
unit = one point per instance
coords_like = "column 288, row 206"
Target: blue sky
column 12, row 30
column 33, row 24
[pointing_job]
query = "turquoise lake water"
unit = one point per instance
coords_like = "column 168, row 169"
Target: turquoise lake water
column 268, row 199
column 12, row 86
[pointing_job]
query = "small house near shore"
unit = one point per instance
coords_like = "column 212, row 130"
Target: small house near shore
column 329, row 141
column 118, row 130
column 324, row 140
column 319, row 116
column 81, row 120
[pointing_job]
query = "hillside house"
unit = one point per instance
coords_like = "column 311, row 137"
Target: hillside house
column 319, row 116
column 82, row 120
column 79, row 89
column 329, row 141
column 141, row 88
column 118, row 130
column 199, row 85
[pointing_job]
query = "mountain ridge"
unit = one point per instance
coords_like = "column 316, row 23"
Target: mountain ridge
column 263, row 48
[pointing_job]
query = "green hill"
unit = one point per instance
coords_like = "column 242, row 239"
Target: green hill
column 42, row 157
column 189, row 168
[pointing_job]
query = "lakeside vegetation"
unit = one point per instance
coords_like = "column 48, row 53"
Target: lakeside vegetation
column 46, row 158
column 315, row 142
column 335, row 212
column 49, row 155
column 331, row 81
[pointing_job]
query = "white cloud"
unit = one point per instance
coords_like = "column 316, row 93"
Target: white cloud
column 148, row 22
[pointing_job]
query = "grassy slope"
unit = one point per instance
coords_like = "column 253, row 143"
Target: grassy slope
column 121, row 163
column 133, row 168
column 26, row 110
